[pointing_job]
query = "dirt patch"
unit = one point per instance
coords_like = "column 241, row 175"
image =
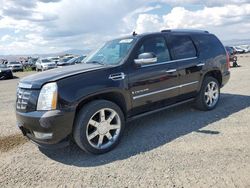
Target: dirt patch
column 10, row 142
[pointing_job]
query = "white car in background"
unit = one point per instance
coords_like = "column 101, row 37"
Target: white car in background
column 15, row 66
column 246, row 48
column 54, row 59
column 238, row 50
column 45, row 64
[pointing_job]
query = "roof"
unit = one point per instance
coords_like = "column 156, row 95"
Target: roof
column 186, row 31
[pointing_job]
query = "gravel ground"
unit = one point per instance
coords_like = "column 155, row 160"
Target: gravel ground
column 180, row 147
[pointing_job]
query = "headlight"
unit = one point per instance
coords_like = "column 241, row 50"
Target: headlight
column 47, row 99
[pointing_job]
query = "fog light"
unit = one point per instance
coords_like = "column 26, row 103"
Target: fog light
column 43, row 136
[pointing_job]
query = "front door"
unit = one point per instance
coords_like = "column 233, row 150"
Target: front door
column 153, row 85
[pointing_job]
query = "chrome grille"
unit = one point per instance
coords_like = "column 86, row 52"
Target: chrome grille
column 22, row 99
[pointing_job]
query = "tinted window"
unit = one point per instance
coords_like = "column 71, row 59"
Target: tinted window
column 209, row 45
column 182, row 47
column 156, row 45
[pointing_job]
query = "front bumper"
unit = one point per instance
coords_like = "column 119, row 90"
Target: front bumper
column 57, row 122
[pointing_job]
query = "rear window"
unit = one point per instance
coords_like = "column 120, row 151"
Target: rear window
column 182, row 47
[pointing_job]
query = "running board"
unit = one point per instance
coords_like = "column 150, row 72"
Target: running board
column 160, row 109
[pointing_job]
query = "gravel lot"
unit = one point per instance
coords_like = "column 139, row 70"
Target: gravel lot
column 180, row 147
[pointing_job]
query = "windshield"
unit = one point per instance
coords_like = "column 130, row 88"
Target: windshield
column 112, row 52
column 3, row 66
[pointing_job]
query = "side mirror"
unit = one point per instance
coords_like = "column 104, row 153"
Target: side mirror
column 146, row 58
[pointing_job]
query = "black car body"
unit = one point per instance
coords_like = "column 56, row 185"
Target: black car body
column 5, row 72
column 127, row 78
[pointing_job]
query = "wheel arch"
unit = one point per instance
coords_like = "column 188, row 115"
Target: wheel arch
column 215, row 74
column 114, row 96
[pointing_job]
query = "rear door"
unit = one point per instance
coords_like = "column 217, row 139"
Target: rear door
column 185, row 54
column 155, row 84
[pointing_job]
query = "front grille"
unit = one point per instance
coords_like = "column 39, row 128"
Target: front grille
column 26, row 100
column 22, row 99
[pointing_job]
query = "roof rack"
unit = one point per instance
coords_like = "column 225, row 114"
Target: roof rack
column 184, row 30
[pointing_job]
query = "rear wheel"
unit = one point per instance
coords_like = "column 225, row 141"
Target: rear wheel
column 99, row 126
column 209, row 95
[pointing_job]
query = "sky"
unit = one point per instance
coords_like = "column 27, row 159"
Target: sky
column 50, row 26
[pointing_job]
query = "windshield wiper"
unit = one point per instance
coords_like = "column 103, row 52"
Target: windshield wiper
column 95, row 62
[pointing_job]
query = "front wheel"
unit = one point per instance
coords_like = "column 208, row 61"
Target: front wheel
column 209, row 94
column 98, row 127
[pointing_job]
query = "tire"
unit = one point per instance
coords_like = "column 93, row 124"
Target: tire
column 89, row 130
column 207, row 99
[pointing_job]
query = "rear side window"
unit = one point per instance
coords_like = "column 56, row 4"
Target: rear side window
column 209, row 45
column 182, row 47
column 156, row 45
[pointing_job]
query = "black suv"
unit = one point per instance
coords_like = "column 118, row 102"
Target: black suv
column 125, row 79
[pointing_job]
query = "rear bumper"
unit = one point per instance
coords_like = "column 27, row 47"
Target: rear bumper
column 56, row 123
column 225, row 78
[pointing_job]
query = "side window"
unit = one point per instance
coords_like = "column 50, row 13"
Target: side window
column 156, row 45
column 182, row 47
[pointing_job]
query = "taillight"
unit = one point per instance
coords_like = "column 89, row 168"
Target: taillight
column 228, row 61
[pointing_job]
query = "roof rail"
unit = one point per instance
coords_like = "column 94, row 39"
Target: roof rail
column 184, row 30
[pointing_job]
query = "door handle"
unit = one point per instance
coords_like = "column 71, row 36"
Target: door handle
column 200, row 64
column 117, row 76
column 171, row 71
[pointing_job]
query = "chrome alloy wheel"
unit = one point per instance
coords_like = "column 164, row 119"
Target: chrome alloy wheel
column 103, row 128
column 212, row 94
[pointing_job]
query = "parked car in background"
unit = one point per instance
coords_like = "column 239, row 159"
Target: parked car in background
column 15, row 66
column 231, row 53
column 32, row 63
column 45, row 64
column 238, row 50
column 65, row 62
column 246, row 50
column 232, row 57
column 5, row 72
column 54, row 59
column 76, row 60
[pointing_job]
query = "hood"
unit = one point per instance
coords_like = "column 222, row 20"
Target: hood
column 36, row 80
